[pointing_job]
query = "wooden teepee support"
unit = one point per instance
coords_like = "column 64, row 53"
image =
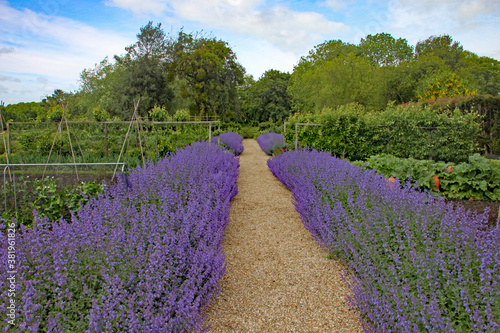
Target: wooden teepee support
column 134, row 121
column 2, row 106
column 64, row 121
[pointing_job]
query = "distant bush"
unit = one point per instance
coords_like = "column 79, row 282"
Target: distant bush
column 407, row 131
column 232, row 140
column 269, row 142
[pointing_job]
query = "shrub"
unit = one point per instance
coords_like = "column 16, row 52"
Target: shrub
column 232, row 140
column 181, row 115
column 269, row 142
column 411, row 130
column 159, row 113
column 44, row 196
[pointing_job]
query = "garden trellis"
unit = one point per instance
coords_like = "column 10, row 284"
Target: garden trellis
column 2, row 106
column 64, row 121
column 32, row 146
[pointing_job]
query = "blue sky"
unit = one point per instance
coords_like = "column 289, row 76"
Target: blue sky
column 45, row 44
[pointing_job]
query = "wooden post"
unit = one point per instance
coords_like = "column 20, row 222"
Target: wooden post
column 9, row 152
column 296, row 139
column 106, row 139
column 210, row 132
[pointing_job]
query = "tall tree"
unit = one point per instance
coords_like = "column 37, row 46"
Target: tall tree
column 302, row 82
column 482, row 72
column 344, row 79
column 152, row 42
column 140, row 73
column 442, row 46
column 267, row 99
column 402, row 82
column 385, row 50
column 210, row 72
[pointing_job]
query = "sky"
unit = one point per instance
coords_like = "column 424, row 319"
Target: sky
column 46, row 44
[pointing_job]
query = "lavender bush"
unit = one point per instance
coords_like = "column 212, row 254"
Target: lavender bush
column 418, row 265
column 145, row 256
column 268, row 142
column 232, row 140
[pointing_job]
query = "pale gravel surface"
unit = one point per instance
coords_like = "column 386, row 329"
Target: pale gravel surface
column 278, row 279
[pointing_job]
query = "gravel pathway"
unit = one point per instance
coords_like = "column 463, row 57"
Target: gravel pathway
column 277, row 278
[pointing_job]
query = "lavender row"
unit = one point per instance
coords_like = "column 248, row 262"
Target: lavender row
column 145, row 256
column 232, row 140
column 269, row 142
column 419, row 265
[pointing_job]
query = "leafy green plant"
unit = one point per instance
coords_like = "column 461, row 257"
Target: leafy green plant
column 44, row 196
column 354, row 133
column 478, row 179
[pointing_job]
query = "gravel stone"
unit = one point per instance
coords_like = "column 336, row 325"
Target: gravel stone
column 278, row 279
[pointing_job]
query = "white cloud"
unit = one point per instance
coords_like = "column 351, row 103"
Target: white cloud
column 473, row 23
column 260, row 56
column 335, row 4
column 141, row 7
column 34, row 45
column 287, row 29
column 9, row 78
column 27, row 29
column 432, row 14
column 5, row 50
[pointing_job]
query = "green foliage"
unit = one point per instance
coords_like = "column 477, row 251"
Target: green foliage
column 54, row 114
column 151, row 43
column 487, row 106
column 270, row 127
column 482, row 72
column 223, row 127
column 418, row 131
column 249, row 132
column 139, row 74
column 181, row 115
column 23, row 111
column 341, row 80
column 160, row 114
column 442, row 46
column 345, row 132
column 385, row 50
column 415, row 130
column 43, row 195
column 382, row 69
column 99, row 114
column 476, row 179
column 209, row 72
column 267, row 99
column 418, row 172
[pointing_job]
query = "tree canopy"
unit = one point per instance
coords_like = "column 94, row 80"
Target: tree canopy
column 201, row 74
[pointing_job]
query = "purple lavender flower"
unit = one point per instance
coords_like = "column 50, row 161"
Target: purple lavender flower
column 232, row 140
column 145, row 256
column 419, row 265
column 269, row 142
